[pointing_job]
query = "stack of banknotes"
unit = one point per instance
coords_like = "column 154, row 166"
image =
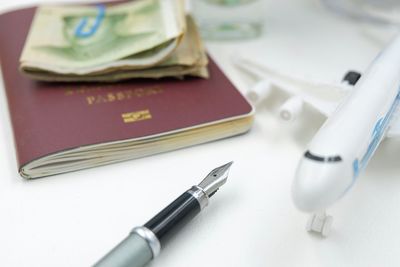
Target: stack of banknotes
column 135, row 39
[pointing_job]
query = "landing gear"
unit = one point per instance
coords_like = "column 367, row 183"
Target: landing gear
column 320, row 223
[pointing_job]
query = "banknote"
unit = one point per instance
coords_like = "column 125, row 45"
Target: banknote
column 189, row 58
column 88, row 39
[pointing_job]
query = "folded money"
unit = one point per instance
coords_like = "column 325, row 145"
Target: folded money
column 137, row 39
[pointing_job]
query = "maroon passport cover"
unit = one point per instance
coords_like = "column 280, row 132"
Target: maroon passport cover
column 50, row 117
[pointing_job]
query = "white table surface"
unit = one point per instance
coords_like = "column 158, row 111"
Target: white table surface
column 74, row 219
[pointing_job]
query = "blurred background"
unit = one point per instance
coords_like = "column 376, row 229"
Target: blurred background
column 312, row 39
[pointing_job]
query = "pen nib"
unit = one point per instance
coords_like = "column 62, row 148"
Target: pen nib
column 215, row 179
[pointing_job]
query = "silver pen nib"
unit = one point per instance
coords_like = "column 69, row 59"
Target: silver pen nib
column 215, row 179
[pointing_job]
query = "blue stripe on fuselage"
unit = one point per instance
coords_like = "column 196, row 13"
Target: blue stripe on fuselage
column 377, row 136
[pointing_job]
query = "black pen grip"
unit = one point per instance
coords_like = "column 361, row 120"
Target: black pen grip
column 182, row 210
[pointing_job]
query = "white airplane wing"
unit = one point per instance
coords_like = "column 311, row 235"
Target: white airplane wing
column 310, row 94
column 322, row 97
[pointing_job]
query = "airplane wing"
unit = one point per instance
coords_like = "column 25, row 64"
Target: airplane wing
column 320, row 96
column 310, row 94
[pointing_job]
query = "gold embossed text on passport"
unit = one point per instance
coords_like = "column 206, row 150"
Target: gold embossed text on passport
column 136, row 116
column 104, row 94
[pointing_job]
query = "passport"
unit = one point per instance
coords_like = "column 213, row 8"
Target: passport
column 62, row 127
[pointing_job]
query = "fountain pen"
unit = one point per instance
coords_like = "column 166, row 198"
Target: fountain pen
column 144, row 243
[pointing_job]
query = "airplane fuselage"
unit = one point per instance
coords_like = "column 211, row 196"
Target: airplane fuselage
column 343, row 146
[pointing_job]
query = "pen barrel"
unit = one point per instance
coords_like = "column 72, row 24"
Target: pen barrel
column 133, row 251
column 174, row 216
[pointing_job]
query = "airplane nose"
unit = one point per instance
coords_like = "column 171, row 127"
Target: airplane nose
column 318, row 185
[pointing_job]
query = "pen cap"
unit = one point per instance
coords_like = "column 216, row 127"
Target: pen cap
column 133, row 251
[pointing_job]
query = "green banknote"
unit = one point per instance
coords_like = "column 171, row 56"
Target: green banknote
column 90, row 39
column 188, row 59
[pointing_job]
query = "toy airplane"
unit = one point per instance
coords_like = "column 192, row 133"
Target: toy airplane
column 359, row 118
